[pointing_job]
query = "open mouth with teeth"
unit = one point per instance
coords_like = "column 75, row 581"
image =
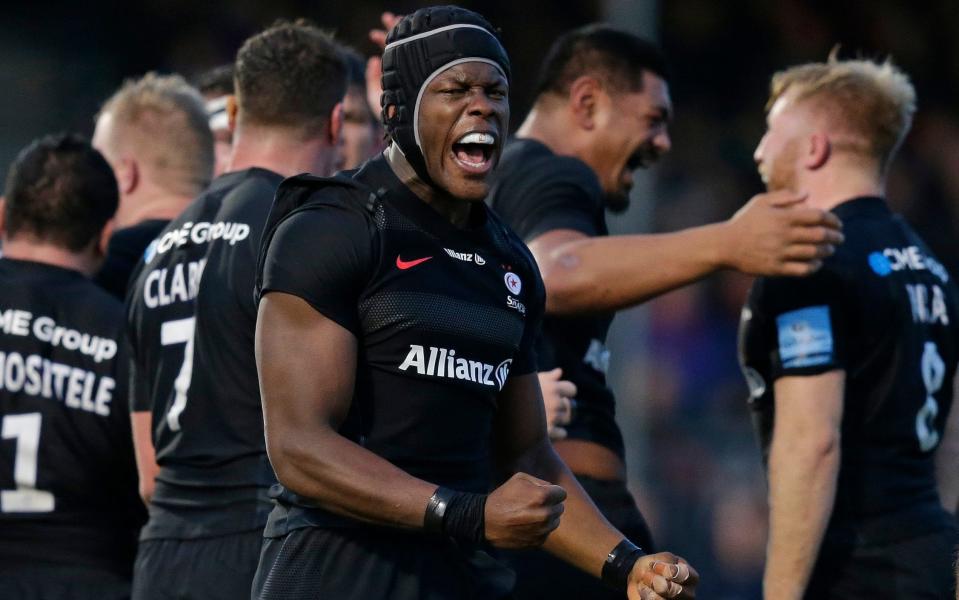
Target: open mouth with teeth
column 474, row 152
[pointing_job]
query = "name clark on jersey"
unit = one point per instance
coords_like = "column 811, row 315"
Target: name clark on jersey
column 443, row 362
column 178, row 283
column 45, row 329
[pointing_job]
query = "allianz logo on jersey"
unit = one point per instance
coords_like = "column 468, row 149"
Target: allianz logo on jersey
column 202, row 232
column 443, row 362
column 466, row 256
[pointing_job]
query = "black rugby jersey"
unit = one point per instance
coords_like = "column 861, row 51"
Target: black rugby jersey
column 68, row 483
column 124, row 252
column 885, row 311
column 443, row 317
column 537, row 191
column 193, row 362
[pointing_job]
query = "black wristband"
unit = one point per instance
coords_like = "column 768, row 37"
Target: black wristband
column 619, row 564
column 460, row 515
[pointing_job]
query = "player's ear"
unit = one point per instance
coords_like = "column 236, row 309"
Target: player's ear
column 231, row 110
column 127, row 172
column 105, row 235
column 818, row 149
column 3, row 216
column 583, row 100
column 336, row 124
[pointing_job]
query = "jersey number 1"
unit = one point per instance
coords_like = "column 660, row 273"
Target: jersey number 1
column 26, row 498
column 933, row 372
column 179, row 332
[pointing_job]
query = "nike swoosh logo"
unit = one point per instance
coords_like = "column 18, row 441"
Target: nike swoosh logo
column 407, row 264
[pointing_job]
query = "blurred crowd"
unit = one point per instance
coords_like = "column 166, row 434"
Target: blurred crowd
column 676, row 366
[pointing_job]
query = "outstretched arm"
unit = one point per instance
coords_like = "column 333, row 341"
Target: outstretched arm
column 584, row 537
column 772, row 235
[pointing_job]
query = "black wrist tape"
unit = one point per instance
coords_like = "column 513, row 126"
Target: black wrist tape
column 460, row 515
column 619, row 564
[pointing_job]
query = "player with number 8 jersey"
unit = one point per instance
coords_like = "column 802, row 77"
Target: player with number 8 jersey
column 850, row 371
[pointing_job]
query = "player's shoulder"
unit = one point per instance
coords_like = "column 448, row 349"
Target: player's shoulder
column 250, row 185
column 532, row 162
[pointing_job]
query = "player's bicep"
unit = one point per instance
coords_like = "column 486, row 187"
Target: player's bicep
column 810, row 407
column 306, row 364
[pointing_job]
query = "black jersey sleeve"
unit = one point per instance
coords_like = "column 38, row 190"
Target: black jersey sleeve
column 322, row 255
column 556, row 194
column 801, row 324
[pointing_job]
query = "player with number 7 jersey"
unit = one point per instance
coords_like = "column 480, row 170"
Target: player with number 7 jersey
column 191, row 316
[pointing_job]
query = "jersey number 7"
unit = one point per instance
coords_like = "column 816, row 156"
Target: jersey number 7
column 172, row 333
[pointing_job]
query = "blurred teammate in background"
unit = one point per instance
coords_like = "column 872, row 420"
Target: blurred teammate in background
column 191, row 320
column 69, row 511
column 216, row 86
column 602, row 111
column 851, row 370
column 362, row 134
column 154, row 133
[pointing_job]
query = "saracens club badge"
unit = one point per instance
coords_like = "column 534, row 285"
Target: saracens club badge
column 513, row 282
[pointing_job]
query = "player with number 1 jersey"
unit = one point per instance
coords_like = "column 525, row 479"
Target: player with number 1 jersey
column 69, row 512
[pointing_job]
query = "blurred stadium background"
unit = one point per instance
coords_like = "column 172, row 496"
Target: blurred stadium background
column 693, row 460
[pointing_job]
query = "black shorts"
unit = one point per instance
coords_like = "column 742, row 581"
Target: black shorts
column 362, row 564
column 540, row 575
column 55, row 582
column 213, row 568
column 920, row 568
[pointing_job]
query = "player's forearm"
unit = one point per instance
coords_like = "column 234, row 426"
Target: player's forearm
column 802, row 488
column 347, row 479
column 584, row 536
column 145, row 453
column 604, row 274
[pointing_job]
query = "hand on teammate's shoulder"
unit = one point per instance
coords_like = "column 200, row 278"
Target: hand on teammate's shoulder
column 777, row 233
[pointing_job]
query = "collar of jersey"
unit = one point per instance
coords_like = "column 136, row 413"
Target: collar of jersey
column 861, row 205
column 381, row 176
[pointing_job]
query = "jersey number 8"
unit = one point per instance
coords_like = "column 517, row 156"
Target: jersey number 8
column 933, row 372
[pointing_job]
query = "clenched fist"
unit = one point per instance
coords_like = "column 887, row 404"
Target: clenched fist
column 661, row 576
column 522, row 512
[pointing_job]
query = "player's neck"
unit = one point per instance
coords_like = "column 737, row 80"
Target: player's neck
column 159, row 205
column 22, row 248
column 830, row 188
column 548, row 126
column 281, row 150
column 454, row 209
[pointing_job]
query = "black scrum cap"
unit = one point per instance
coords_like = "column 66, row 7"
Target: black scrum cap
column 420, row 47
